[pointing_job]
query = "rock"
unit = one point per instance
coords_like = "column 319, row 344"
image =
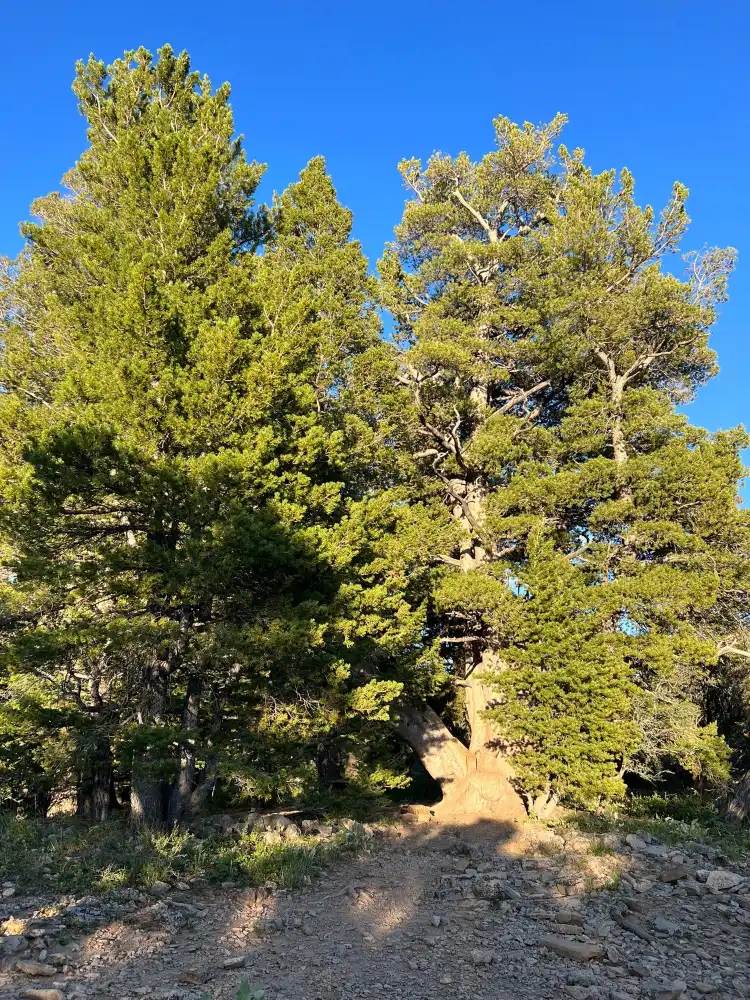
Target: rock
column 436, row 921
column 666, row 926
column 271, row 837
column 36, row 969
column 482, row 956
column 720, row 881
column 632, row 925
column 291, row 832
column 580, row 977
column 671, row 992
column 325, row 830
column 11, row 944
column 446, row 980
column 279, row 823
column 309, row 826
column 160, row 888
column 494, row 889
column 569, row 917
column 352, row 826
column 42, row 994
column 223, row 822
column 635, row 842
column 235, row 962
column 674, row 874
column 9, row 891
column 581, row 951
column 704, row 988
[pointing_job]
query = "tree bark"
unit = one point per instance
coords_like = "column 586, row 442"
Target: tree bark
column 474, row 781
column 148, row 790
column 148, row 795
column 182, row 788
column 738, row 807
column 95, row 782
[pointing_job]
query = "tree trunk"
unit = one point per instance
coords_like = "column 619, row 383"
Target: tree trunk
column 95, row 782
column 474, row 781
column 330, row 771
column 148, row 795
column 182, row 789
column 148, row 790
column 738, row 807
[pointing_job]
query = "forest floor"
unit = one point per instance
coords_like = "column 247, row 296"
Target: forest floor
column 417, row 910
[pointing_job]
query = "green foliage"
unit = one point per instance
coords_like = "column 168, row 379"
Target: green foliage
column 241, row 532
column 68, row 856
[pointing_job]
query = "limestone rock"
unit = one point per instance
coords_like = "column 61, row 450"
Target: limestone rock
column 720, row 880
column 582, row 951
column 36, row 969
column 42, row 994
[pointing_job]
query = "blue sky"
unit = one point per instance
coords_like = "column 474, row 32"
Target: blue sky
column 659, row 86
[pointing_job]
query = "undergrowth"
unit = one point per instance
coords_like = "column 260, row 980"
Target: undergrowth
column 672, row 819
column 72, row 857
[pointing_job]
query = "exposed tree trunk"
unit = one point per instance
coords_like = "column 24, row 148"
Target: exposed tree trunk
column 738, row 807
column 95, row 782
column 204, row 786
column 182, row 789
column 475, row 780
column 148, row 789
column 149, row 795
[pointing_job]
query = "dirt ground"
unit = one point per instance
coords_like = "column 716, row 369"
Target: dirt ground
column 427, row 911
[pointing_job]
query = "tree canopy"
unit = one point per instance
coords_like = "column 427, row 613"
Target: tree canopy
column 252, row 542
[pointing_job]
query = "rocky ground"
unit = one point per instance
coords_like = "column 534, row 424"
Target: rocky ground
column 425, row 911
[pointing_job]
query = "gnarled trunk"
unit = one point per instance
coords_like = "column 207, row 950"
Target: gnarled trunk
column 738, row 807
column 475, row 780
column 95, row 792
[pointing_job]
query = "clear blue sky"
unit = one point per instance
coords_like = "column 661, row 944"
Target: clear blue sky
column 659, row 86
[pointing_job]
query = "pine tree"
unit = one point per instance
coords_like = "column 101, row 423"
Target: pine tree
column 174, row 452
column 542, row 349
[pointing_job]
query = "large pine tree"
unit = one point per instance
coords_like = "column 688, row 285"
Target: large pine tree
column 542, row 349
column 173, row 445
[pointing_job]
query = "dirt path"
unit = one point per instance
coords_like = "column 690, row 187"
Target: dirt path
column 428, row 912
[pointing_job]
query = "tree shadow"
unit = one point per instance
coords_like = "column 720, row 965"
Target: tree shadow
column 428, row 909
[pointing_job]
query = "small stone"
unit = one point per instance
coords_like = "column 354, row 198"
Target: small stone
column 235, row 962
column 482, row 956
column 582, row 951
column 436, row 921
column 569, row 917
column 159, row 888
column 446, row 980
column 666, row 926
column 9, row 891
column 35, row 969
column 42, row 994
column 675, row 873
column 719, row 881
column 704, row 988
column 671, row 992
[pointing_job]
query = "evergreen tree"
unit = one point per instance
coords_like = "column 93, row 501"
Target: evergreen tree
column 542, row 350
column 173, row 449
